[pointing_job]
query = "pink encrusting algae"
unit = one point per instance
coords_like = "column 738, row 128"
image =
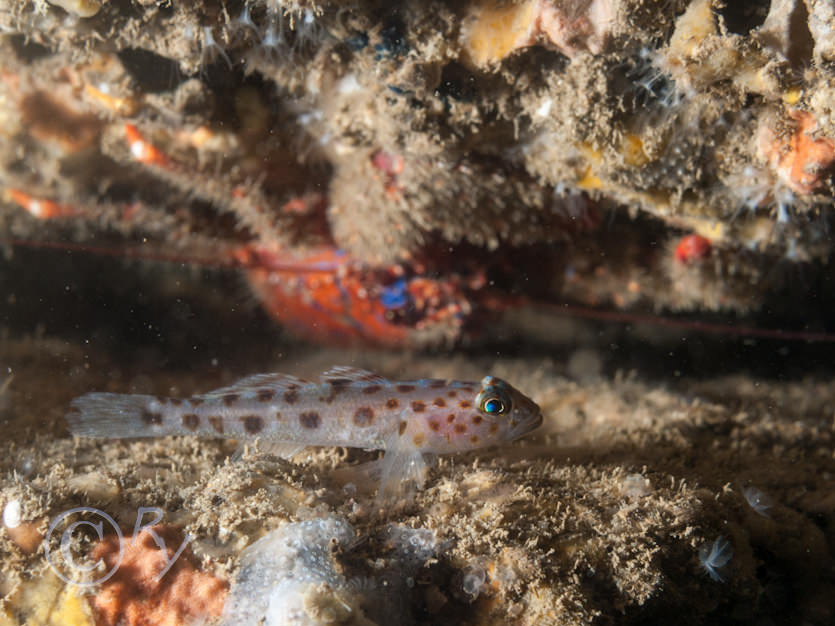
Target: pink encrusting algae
column 803, row 157
column 138, row 595
column 493, row 30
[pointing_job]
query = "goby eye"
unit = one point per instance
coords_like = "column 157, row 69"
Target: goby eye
column 494, row 406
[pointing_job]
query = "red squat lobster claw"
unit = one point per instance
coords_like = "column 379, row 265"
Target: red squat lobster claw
column 329, row 297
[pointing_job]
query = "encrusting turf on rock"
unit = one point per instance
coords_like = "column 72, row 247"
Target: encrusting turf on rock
column 432, row 126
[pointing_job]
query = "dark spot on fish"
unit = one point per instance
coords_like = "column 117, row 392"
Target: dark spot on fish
column 434, row 425
column 437, row 384
column 191, row 421
column 339, row 382
column 477, row 419
column 392, row 403
column 332, row 391
column 474, row 439
column 278, row 416
column 494, row 428
column 252, row 424
column 439, row 402
column 452, row 393
column 310, row 419
column 513, row 423
column 450, row 418
column 401, row 428
column 265, row 395
column 419, row 439
column 364, row 416
column 465, row 404
column 195, row 401
column 460, row 429
column 175, row 401
column 418, row 407
column 217, row 423
column 230, row 399
column 405, row 388
column 290, row 396
column 369, row 389
column 149, row 417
